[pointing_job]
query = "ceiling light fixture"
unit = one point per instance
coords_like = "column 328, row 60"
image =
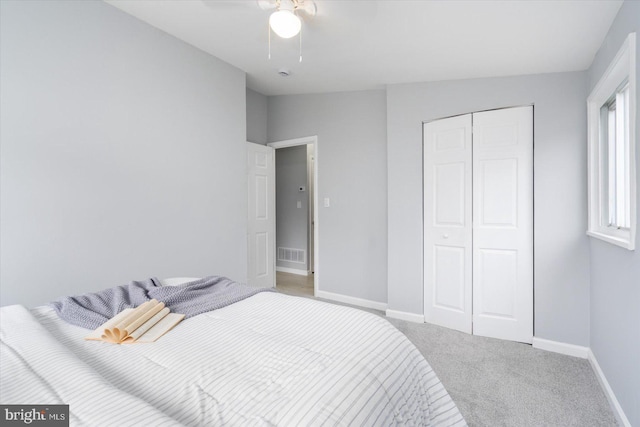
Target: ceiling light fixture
column 284, row 22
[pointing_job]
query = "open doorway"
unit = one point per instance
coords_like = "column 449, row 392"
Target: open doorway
column 296, row 216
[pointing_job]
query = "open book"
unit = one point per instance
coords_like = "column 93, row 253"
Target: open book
column 145, row 323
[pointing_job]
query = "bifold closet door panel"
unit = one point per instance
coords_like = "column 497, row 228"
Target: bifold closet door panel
column 503, row 224
column 447, row 222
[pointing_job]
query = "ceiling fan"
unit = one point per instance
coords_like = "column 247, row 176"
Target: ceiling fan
column 285, row 21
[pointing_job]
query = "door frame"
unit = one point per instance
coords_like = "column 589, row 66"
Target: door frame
column 316, row 231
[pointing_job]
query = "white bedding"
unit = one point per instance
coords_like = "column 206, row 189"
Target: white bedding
column 271, row 359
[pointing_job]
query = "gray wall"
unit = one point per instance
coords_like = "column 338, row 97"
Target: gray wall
column 256, row 117
column 351, row 165
column 561, row 247
column 615, row 272
column 292, row 223
column 122, row 154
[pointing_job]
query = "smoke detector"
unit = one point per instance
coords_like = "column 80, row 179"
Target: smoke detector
column 284, row 72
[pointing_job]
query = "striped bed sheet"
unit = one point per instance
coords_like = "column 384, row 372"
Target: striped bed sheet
column 269, row 360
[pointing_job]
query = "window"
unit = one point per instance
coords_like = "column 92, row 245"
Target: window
column 611, row 120
column 614, row 139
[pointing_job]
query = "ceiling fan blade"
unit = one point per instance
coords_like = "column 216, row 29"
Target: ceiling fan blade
column 237, row 5
column 266, row 4
column 308, row 7
column 347, row 10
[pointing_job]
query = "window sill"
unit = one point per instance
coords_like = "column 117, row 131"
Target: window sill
column 626, row 243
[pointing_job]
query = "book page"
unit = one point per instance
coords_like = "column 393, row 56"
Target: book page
column 161, row 328
column 137, row 323
column 147, row 325
column 119, row 332
column 97, row 334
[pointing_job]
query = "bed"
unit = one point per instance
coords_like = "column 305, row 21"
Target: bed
column 268, row 360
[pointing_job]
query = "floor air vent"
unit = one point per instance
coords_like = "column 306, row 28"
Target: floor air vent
column 292, row 255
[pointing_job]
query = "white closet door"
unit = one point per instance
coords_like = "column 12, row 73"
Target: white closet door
column 447, row 222
column 261, row 226
column 503, row 224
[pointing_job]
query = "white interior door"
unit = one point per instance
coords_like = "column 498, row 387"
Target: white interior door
column 261, row 241
column 447, row 222
column 503, row 224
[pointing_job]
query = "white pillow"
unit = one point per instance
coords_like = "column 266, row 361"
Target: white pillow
column 175, row 281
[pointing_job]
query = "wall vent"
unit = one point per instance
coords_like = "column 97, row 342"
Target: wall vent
column 292, row 255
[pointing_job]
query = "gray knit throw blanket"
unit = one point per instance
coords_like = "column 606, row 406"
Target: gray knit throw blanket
column 93, row 309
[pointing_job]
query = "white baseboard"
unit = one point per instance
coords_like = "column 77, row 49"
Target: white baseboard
column 560, row 347
column 403, row 315
column 292, row 271
column 351, row 300
column 613, row 401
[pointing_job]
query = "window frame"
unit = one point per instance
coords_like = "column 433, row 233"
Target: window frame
column 623, row 67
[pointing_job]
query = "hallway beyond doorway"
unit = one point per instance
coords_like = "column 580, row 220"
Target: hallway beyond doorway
column 294, row 284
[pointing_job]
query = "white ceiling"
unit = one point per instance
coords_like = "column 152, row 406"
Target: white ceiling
column 356, row 45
